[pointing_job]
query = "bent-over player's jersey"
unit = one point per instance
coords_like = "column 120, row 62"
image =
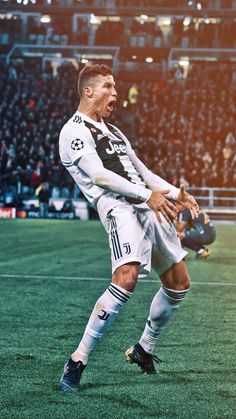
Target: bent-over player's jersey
column 81, row 135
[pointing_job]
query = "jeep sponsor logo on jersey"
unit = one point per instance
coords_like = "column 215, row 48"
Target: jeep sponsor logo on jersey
column 116, row 148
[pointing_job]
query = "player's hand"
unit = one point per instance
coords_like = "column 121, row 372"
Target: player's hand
column 185, row 200
column 159, row 204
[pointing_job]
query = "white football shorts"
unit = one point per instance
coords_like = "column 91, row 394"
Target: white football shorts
column 136, row 235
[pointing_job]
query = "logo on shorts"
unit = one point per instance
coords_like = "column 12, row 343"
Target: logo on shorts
column 127, row 248
column 77, row 144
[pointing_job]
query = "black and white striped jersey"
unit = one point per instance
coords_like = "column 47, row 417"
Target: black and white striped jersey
column 81, row 135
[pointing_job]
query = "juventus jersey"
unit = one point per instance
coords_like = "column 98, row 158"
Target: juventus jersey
column 81, row 135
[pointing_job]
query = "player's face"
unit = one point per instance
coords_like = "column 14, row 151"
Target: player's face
column 104, row 95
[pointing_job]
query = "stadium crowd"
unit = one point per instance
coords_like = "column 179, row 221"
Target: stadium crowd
column 184, row 129
column 197, row 34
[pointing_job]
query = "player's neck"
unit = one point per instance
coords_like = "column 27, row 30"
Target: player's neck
column 90, row 112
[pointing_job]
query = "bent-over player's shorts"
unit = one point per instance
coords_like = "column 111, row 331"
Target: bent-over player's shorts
column 136, row 235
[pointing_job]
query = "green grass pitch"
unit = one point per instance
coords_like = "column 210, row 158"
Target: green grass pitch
column 51, row 274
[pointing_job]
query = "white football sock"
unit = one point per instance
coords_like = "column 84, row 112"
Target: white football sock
column 102, row 316
column 163, row 307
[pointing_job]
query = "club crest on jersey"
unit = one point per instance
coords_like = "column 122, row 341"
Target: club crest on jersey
column 116, row 148
column 77, row 144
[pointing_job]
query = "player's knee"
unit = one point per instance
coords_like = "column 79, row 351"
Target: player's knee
column 181, row 277
column 126, row 276
column 183, row 283
column 176, row 278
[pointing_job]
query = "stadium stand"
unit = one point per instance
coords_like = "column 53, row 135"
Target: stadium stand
column 184, row 114
column 136, row 31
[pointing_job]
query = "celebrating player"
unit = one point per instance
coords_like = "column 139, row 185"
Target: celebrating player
column 195, row 233
column 136, row 208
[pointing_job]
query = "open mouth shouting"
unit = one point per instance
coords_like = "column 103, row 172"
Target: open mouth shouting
column 111, row 104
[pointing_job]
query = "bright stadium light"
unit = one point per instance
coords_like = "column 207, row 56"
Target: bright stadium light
column 134, row 57
column 93, row 20
column 187, row 21
column 199, row 6
column 149, row 60
column 166, row 21
column 45, row 19
column 144, row 17
column 184, row 62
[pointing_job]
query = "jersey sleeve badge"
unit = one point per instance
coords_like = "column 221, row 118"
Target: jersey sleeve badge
column 77, row 144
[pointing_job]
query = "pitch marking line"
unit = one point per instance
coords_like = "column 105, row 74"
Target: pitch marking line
column 82, row 278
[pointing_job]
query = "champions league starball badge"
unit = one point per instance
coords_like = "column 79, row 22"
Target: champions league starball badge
column 77, row 144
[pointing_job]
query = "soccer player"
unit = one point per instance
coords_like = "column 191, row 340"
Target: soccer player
column 134, row 206
column 196, row 232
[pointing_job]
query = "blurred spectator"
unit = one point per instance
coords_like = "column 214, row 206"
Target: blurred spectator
column 133, row 94
column 68, row 206
column 43, row 194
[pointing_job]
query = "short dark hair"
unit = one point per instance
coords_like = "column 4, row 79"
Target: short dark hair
column 90, row 72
